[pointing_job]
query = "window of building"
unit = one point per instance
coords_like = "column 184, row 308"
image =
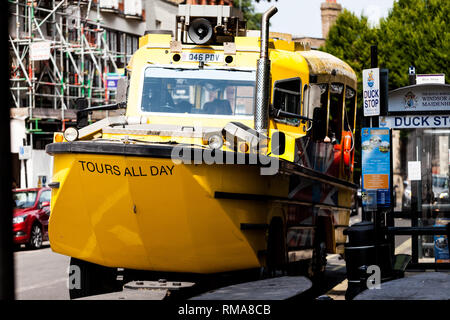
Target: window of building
column 135, row 43
column 121, row 47
column 129, row 48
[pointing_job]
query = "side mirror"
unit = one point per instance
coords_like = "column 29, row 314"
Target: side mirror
column 319, row 124
column 45, row 204
column 278, row 143
column 82, row 117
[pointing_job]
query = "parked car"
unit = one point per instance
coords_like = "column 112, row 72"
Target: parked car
column 30, row 216
column 440, row 191
column 440, row 188
column 406, row 197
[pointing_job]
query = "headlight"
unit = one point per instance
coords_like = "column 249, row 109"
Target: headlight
column 71, row 134
column 215, row 142
column 19, row 219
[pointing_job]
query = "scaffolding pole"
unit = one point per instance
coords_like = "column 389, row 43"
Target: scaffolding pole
column 77, row 43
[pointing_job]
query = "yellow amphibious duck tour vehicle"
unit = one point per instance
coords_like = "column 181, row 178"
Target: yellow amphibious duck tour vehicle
column 235, row 152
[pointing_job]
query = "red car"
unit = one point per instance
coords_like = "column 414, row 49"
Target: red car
column 30, row 216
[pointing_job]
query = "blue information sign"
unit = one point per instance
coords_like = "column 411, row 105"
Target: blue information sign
column 376, row 167
column 111, row 80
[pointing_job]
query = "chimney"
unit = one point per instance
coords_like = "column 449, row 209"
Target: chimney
column 330, row 10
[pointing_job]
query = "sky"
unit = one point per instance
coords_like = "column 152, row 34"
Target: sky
column 302, row 17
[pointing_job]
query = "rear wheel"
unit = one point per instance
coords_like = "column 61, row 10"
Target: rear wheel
column 276, row 259
column 88, row 279
column 318, row 263
column 35, row 237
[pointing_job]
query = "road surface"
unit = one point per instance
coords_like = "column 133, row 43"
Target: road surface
column 42, row 274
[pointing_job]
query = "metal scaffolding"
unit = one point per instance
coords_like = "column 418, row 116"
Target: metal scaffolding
column 59, row 53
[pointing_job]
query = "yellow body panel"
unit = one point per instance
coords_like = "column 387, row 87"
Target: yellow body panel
column 165, row 222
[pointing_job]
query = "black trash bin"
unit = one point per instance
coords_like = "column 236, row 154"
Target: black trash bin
column 360, row 253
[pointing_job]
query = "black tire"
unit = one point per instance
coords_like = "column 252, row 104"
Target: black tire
column 319, row 262
column 276, row 258
column 88, row 279
column 36, row 237
column 313, row 268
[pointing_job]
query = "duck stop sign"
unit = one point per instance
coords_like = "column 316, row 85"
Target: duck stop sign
column 371, row 92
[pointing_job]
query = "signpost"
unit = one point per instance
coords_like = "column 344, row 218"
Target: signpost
column 420, row 98
column 371, row 92
column 24, row 152
column 430, row 78
column 415, row 122
column 111, row 80
column 40, row 50
column 376, row 167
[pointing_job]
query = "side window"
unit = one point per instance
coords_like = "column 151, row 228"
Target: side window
column 349, row 116
column 45, row 196
column 335, row 112
column 320, row 112
column 287, row 95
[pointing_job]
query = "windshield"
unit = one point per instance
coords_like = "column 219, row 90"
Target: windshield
column 213, row 92
column 24, row 199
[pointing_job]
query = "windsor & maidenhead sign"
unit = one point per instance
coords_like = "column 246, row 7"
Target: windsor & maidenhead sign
column 420, row 98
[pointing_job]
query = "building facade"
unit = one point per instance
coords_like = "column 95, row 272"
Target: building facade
column 330, row 10
column 61, row 50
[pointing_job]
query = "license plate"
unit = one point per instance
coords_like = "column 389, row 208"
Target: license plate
column 206, row 57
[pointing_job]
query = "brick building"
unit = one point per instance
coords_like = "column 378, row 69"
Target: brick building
column 330, row 10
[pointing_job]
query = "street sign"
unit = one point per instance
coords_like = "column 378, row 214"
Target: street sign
column 24, row 152
column 371, row 92
column 40, row 50
column 441, row 247
column 415, row 122
column 111, row 80
column 419, row 98
column 376, row 165
column 430, row 78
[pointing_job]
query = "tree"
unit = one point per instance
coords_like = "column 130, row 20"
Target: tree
column 415, row 33
column 350, row 39
column 253, row 19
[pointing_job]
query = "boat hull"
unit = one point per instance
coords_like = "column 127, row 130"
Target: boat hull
column 149, row 213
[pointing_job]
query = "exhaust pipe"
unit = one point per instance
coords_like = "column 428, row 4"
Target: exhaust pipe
column 261, row 104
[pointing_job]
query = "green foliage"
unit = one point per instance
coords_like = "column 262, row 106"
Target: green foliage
column 415, row 33
column 350, row 40
column 253, row 19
